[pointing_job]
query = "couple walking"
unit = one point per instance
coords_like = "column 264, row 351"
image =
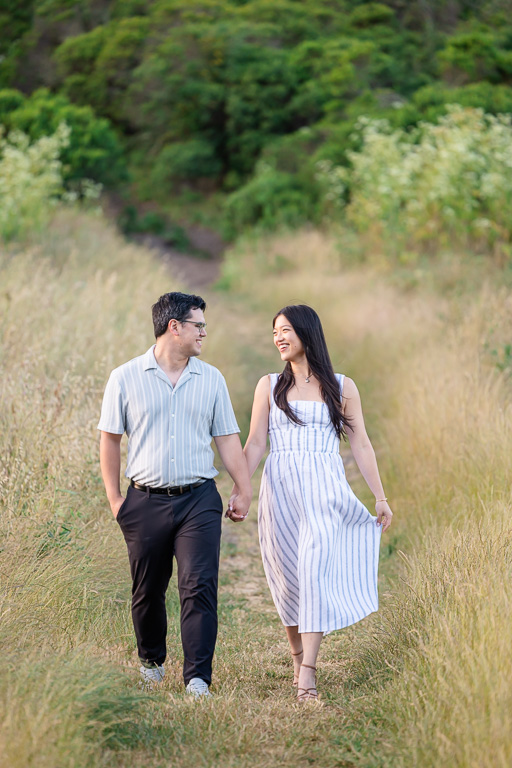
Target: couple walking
column 319, row 543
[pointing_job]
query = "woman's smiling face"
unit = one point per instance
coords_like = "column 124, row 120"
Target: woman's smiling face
column 286, row 340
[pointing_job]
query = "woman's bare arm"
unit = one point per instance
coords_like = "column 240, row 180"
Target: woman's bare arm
column 256, row 443
column 363, row 452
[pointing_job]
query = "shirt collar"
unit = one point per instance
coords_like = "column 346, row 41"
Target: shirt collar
column 193, row 366
column 149, row 359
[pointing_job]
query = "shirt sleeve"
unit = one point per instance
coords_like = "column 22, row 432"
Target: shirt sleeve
column 224, row 421
column 113, row 408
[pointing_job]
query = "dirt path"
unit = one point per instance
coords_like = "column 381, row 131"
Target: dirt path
column 195, row 273
column 191, row 273
column 194, row 269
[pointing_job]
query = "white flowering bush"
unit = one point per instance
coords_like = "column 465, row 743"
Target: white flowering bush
column 453, row 178
column 30, row 179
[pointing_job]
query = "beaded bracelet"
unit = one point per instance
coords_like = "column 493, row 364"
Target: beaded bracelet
column 377, row 500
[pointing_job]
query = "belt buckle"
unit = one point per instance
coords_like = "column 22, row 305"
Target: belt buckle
column 169, row 489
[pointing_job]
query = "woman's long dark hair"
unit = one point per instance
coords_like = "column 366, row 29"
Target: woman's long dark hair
column 307, row 326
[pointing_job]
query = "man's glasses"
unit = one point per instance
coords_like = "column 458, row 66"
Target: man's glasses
column 199, row 326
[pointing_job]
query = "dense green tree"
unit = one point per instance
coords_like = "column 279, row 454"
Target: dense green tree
column 10, row 100
column 15, row 20
column 93, row 151
column 183, row 161
column 270, row 199
column 431, row 102
column 97, row 67
column 476, row 54
column 203, row 90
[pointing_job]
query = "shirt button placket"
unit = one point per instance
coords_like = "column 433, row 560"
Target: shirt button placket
column 173, row 463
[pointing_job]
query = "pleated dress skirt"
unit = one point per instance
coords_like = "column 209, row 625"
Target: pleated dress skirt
column 319, row 543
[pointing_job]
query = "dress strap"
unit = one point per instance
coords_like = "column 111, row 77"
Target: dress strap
column 341, row 379
column 273, row 381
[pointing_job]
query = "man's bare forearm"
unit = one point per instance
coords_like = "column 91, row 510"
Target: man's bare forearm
column 110, row 463
column 230, row 451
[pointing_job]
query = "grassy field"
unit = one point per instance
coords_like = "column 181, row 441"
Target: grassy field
column 425, row 682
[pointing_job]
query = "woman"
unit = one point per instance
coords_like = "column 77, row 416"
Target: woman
column 319, row 544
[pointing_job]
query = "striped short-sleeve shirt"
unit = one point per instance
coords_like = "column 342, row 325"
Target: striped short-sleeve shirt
column 170, row 429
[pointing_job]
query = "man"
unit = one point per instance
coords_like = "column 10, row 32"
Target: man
column 171, row 405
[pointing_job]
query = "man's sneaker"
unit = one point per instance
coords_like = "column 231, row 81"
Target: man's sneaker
column 151, row 675
column 198, row 687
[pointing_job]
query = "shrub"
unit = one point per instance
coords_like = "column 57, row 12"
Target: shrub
column 372, row 13
column 93, row 150
column 194, row 159
column 272, row 199
column 451, row 178
column 10, row 99
column 97, row 67
column 30, row 179
column 153, row 223
column 432, row 101
column 475, row 55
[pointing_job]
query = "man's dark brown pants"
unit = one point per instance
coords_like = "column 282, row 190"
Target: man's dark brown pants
column 156, row 528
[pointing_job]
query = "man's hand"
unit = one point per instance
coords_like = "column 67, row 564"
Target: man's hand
column 116, row 504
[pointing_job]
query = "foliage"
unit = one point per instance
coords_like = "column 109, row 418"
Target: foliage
column 15, row 20
column 30, row 179
column 431, row 102
column 96, row 67
column 10, row 100
column 202, row 89
column 93, row 150
column 476, row 54
column 272, row 199
column 181, row 161
column 453, row 178
column 152, row 223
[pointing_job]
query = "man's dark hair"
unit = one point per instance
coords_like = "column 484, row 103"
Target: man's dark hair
column 174, row 306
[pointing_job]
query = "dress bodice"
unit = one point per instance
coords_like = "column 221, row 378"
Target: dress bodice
column 317, row 432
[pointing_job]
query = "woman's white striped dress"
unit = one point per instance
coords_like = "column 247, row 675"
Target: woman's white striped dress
column 319, row 543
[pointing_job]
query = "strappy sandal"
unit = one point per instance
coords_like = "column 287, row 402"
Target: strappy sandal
column 307, row 694
column 296, row 674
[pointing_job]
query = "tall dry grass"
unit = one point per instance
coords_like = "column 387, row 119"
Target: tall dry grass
column 76, row 303
column 424, row 682
column 67, row 317
column 432, row 358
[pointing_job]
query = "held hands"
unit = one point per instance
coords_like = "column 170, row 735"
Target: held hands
column 238, row 506
column 384, row 514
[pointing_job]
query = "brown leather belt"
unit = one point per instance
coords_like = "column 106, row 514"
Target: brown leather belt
column 176, row 490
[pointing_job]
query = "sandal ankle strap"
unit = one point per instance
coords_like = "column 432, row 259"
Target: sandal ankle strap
column 308, row 666
column 305, row 694
column 297, row 654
